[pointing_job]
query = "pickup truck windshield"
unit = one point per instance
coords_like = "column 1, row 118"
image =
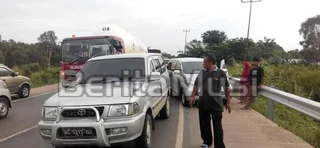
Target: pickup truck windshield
column 109, row 69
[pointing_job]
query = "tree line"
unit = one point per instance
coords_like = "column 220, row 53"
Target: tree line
column 45, row 52
column 233, row 49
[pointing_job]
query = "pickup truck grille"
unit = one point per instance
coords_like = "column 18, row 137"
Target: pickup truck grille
column 76, row 113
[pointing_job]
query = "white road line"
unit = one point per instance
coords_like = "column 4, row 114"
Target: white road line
column 34, row 96
column 179, row 139
column 16, row 134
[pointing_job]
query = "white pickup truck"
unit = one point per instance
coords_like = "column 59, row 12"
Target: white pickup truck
column 74, row 117
column 5, row 100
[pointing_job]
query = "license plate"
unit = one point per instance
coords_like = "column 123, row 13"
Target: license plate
column 78, row 132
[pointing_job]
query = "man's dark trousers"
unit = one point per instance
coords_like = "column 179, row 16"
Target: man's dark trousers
column 205, row 127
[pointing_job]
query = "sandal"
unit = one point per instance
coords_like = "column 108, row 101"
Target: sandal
column 204, row 146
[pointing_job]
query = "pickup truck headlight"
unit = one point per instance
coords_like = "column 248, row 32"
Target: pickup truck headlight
column 49, row 113
column 123, row 110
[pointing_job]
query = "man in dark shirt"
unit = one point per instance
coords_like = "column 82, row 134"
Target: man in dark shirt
column 256, row 82
column 208, row 86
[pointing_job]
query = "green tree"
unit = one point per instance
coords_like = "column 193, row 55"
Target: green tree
column 214, row 37
column 310, row 31
column 294, row 54
column 48, row 41
column 269, row 48
column 1, row 57
column 195, row 49
column 167, row 55
column 236, row 48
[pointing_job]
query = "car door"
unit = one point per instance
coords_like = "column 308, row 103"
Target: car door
column 223, row 67
column 164, row 75
column 9, row 79
column 174, row 79
column 154, row 88
column 158, row 67
column 178, row 72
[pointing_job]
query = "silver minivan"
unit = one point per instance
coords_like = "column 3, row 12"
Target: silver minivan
column 185, row 71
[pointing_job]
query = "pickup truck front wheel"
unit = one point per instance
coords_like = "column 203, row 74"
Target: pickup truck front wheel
column 4, row 108
column 145, row 140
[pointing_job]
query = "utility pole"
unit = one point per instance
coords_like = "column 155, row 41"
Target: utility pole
column 185, row 42
column 248, row 32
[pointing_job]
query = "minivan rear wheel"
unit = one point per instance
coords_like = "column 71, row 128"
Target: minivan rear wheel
column 24, row 91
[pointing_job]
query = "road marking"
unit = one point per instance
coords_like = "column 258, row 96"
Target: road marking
column 34, row 96
column 16, row 134
column 179, row 139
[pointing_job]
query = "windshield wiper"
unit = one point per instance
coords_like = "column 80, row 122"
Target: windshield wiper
column 76, row 59
column 97, row 54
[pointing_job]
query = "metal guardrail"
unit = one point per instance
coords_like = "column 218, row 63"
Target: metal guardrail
column 303, row 105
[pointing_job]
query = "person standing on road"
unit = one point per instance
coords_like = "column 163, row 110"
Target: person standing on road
column 210, row 104
column 169, row 66
column 256, row 82
column 244, row 82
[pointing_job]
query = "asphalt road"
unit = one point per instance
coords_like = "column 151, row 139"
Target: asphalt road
column 20, row 129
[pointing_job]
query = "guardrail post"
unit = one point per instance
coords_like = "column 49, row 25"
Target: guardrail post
column 270, row 113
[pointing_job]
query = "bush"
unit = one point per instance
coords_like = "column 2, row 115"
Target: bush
column 17, row 69
column 38, row 75
column 45, row 77
column 27, row 69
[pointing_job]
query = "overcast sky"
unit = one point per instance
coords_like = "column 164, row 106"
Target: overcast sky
column 159, row 24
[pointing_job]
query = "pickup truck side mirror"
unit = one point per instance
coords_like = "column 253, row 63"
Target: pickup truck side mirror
column 154, row 76
column 15, row 74
column 117, row 45
column 177, row 71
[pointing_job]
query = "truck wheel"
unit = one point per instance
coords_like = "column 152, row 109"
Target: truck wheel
column 24, row 91
column 145, row 140
column 165, row 111
column 4, row 108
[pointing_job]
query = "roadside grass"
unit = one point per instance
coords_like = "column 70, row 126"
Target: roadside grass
column 297, row 123
column 38, row 75
column 45, row 77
